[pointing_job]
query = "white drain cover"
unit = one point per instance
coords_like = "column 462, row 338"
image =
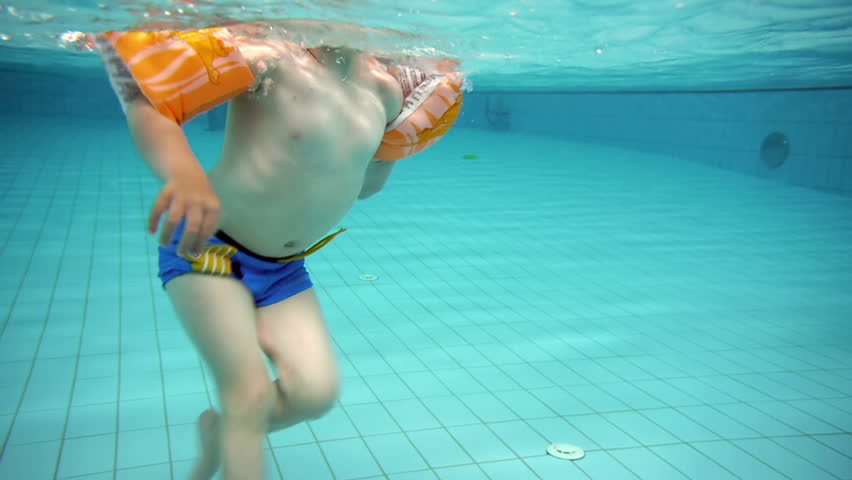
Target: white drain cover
column 566, row 451
column 368, row 277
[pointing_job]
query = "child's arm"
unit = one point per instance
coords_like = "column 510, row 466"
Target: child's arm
column 161, row 142
column 187, row 194
column 375, row 178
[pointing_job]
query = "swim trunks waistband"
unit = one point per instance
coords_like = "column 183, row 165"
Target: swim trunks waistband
column 291, row 258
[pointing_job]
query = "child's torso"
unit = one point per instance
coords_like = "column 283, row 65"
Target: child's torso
column 295, row 155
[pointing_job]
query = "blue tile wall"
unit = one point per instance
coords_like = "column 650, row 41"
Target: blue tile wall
column 79, row 94
column 721, row 129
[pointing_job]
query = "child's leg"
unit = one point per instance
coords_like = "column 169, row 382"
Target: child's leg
column 219, row 315
column 294, row 336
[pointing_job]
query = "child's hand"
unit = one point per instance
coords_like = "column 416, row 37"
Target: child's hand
column 190, row 197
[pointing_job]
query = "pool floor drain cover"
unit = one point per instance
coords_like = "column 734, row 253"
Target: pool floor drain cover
column 368, row 277
column 566, row 451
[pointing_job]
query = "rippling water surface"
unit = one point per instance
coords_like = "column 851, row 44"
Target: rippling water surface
column 511, row 45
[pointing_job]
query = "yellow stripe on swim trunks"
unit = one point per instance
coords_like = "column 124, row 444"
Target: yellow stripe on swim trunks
column 325, row 241
column 214, row 260
column 184, row 74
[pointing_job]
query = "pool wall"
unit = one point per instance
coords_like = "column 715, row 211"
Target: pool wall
column 725, row 129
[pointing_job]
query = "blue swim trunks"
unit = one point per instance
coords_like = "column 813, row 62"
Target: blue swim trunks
column 268, row 280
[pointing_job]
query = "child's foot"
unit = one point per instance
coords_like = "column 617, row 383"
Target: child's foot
column 208, row 432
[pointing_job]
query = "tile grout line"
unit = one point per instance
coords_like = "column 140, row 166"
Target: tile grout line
column 441, row 425
column 164, row 395
column 120, row 335
column 82, row 328
column 34, row 359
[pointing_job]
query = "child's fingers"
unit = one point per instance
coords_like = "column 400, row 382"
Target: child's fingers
column 176, row 214
column 208, row 226
column 191, row 241
column 157, row 211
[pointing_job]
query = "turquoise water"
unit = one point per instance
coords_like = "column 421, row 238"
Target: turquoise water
column 509, row 45
column 620, row 271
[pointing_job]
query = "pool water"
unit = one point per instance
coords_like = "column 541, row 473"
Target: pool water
column 659, row 276
column 674, row 319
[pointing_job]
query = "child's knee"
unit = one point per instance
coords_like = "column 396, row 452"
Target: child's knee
column 317, row 396
column 249, row 398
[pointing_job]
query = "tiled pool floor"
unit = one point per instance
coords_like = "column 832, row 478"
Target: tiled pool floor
column 676, row 321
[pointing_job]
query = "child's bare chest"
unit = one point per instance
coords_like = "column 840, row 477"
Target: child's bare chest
column 307, row 106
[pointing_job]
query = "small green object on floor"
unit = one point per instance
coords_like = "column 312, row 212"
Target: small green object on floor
column 470, row 156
